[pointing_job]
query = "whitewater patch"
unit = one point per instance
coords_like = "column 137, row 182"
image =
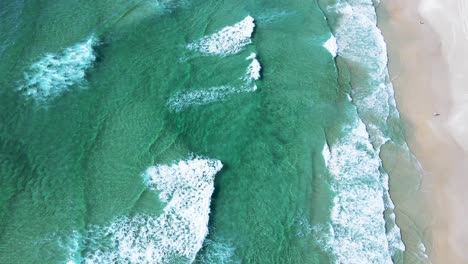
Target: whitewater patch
column 361, row 46
column 326, row 154
column 229, row 40
column 178, row 233
column 422, row 254
column 360, row 43
column 55, row 73
column 186, row 99
column 331, row 45
column 253, row 70
column 72, row 246
column 357, row 233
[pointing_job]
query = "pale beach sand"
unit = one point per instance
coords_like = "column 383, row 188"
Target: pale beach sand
column 428, row 62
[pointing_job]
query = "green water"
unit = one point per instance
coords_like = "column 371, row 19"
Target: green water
column 72, row 163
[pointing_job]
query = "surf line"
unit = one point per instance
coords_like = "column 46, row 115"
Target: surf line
column 228, row 41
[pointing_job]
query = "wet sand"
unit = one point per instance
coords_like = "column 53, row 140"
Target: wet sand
column 428, row 62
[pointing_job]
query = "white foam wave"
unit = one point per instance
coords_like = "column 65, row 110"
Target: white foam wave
column 357, row 232
column 253, row 70
column 186, row 99
column 361, row 44
column 186, row 186
column 331, row 45
column 54, row 74
column 395, row 243
column 422, row 254
column 230, row 40
column 326, row 154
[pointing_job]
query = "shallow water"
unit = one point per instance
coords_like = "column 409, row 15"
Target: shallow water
column 195, row 131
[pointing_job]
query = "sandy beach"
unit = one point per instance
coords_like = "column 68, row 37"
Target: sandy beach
column 428, row 62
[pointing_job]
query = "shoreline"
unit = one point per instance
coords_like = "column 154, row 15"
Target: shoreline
column 433, row 106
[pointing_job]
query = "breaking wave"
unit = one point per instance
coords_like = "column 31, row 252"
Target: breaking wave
column 186, row 99
column 362, row 48
column 360, row 43
column 55, row 73
column 230, row 40
column 357, row 233
column 331, row 45
column 177, row 234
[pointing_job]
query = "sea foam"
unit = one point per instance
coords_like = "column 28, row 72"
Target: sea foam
column 357, row 233
column 186, row 187
column 55, row 73
column 186, row 99
column 422, row 254
column 361, row 46
column 229, row 40
column 253, row 70
column 331, row 45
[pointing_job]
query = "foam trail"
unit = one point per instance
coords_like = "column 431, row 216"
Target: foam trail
column 253, row 70
column 186, row 99
column 230, row 40
column 331, row 45
column 54, row 74
column 186, row 187
column 357, row 233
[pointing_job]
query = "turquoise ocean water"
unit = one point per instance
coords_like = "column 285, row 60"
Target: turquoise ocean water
column 189, row 131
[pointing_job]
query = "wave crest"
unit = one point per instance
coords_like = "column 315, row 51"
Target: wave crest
column 178, row 233
column 229, row 40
